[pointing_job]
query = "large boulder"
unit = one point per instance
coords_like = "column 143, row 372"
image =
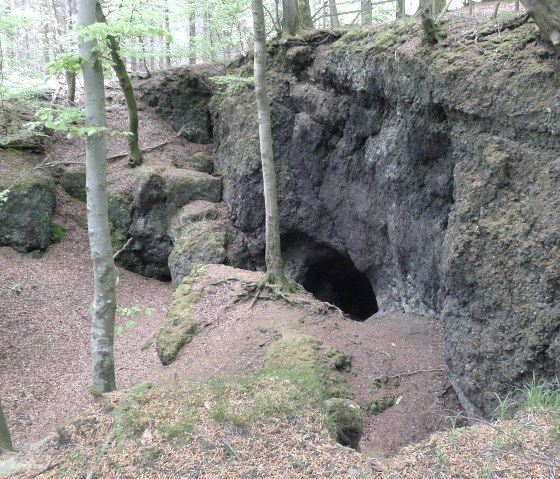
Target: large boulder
column 181, row 97
column 25, row 215
column 204, row 242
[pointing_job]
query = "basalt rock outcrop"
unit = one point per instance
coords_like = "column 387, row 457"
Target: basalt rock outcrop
column 175, row 221
column 25, row 215
column 434, row 171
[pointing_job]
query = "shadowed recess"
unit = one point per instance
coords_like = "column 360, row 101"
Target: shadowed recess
column 334, row 279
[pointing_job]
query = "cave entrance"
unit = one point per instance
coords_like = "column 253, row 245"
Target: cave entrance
column 334, row 278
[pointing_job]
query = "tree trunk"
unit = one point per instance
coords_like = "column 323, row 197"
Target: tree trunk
column 192, row 34
column 5, row 438
column 274, row 265
column 296, row 17
column 104, row 294
column 546, row 14
column 367, row 12
column 401, row 5
column 167, row 42
column 333, row 14
column 135, row 157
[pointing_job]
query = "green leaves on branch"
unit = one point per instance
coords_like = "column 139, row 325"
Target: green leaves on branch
column 125, row 312
column 101, row 31
column 69, row 120
column 66, row 119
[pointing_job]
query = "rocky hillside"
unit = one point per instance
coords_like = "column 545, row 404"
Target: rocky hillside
column 432, row 172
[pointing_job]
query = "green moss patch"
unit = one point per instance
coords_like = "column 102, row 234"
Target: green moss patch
column 180, row 325
column 306, row 355
column 57, row 232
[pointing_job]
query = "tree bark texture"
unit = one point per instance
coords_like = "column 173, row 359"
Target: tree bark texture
column 5, row 438
column 135, row 157
column 295, row 17
column 333, row 14
column 273, row 255
column 104, row 295
column 546, row 14
column 367, row 12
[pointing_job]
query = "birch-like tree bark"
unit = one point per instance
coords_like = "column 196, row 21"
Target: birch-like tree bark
column 273, row 255
column 104, row 294
column 333, row 14
column 367, row 12
column 296, row 17
column 135, row 156
column 5, row 438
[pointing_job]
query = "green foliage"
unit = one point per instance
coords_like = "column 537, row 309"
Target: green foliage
column 542, row 394
column 4, row 195
column 66, row 119
column 124, row 312
column 505, row 407
column 380, row 405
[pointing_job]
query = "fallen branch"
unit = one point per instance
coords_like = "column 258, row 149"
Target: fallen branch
column 102, row 452
column 409, row 373
column 56, row 163
column 510, row 24
column 126, row 245
column 149, row 148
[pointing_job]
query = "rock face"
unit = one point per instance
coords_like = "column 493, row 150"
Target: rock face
column 181, row 97
column 435, row 173
column 25, row 217
column 203, row 236
column 175, row 222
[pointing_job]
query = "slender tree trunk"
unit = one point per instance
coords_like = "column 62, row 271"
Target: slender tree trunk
column 104, row 295
column 274, row 265
column 5, row 438
column 70, row 75
column 192, row 34
column 333, row 14
column 296, row 18
column 401, row 6
column 367, row 12
column 167, row 42
column 135, row 157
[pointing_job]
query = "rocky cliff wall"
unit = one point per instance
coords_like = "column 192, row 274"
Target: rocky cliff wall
column 435, row 171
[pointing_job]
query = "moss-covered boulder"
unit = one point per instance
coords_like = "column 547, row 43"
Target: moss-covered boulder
column 192, row 186
column 345, row 422
column 205, row 242
column 74, row 183
column 200, row 161
column 310, row 358
column 192, row 213
column 180, row 324
column 25, row 213
column 181, row 96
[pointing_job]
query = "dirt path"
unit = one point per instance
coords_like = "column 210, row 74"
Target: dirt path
column 44, row 346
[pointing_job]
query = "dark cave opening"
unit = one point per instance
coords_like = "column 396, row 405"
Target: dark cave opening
column 335, row 279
